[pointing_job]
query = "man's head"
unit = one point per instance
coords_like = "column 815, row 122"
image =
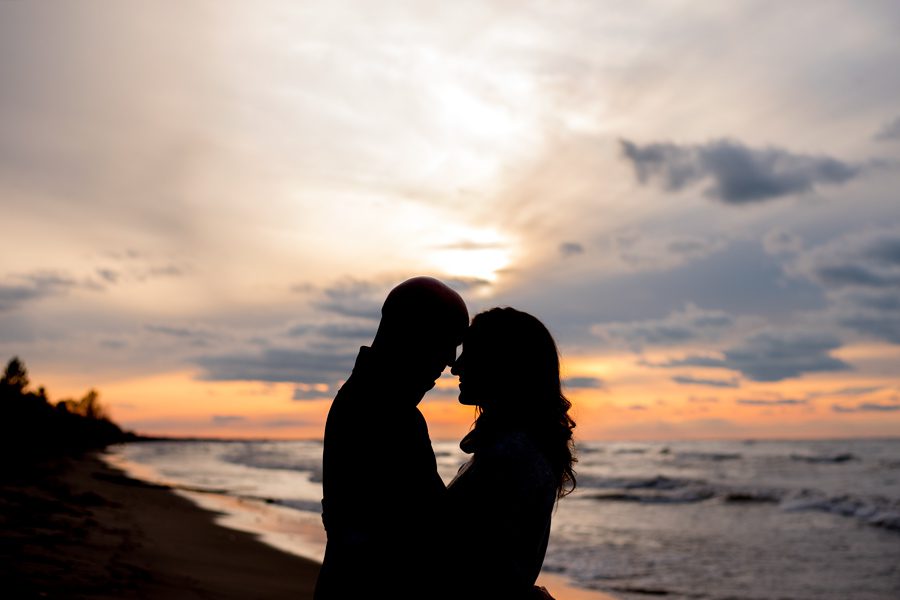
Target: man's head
column 422, row 323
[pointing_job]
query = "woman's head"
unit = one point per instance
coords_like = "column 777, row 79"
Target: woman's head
column 508, row 358
column 509, row 369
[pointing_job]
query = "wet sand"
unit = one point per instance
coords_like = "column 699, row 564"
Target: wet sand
column 77, row 528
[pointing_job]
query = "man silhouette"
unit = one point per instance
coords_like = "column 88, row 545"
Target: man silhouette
column 380, row 519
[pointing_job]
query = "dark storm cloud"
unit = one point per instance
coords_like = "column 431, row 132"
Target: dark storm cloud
column 720, row 383
column 584, row 383
column 736, row 174
column 32, row 287
column 890, row 131
column 571, row 249
column 774, row 356
column 686, row 325
column 279, row 365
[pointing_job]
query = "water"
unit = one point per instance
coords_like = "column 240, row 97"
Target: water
column 712, row 520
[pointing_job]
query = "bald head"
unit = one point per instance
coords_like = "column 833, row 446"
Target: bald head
column 425, row 299
column 422, row 322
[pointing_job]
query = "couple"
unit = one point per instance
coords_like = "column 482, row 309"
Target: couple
column 394, row 530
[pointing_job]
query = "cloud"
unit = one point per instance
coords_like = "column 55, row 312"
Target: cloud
column 471, row 245
column 227, row 419
column 863, row 259
column 571, row 249
column 286, row 422
column 883, row 325
column 771, row 401
column 647, row 251
column 353, row 330
column 735, row 173
column 578, row 383
column 866, row 407
column 312, row 392
column 31, row 287
column 279, row 365
column 703, row 399
column 353, row 298
column 720, row 383
column 781, row 242
column 464, row 284
column 180, row 332
column 774, row 356
column 108, row 275
column 889, row 132
column 860, row 273
column 847, row 391
column 679, row 327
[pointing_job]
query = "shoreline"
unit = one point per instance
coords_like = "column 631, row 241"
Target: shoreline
column 297, row 532
column 90, row 527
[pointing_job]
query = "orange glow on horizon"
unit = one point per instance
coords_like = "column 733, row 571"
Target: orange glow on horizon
column 633, row 402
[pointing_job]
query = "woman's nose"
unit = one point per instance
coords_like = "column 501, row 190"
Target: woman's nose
column 457, row 366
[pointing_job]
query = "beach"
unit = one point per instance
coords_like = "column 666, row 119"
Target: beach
column 81, row 528
column 240, row 519
column 78, row 528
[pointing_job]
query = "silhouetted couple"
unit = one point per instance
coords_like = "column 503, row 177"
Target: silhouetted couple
column 394, row 530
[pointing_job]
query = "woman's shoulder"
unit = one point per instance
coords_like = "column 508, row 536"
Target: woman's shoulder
column 519, row 455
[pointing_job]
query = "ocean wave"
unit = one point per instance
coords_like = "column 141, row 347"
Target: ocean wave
column 871, row 510
column 713, row 456
column 682, row 497
column 252, row 455
column 657, row 482
column 875, row 511
column 825, row 458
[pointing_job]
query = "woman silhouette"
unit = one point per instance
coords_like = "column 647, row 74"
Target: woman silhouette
column 500, row 503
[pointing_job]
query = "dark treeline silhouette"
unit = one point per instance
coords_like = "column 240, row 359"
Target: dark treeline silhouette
column 31, row 425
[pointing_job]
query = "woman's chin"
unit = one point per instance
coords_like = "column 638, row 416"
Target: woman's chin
column 464, row 399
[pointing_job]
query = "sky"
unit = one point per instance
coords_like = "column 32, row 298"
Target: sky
column 204, row 204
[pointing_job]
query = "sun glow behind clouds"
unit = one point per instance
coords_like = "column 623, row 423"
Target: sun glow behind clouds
column 480, row 254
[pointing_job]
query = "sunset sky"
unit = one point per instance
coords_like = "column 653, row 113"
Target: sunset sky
column 204, row 204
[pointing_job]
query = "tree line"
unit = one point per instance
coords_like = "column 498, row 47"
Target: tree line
column 30, row 423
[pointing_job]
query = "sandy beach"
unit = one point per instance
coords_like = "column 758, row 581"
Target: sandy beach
column 77, row 528
column 80, row 528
